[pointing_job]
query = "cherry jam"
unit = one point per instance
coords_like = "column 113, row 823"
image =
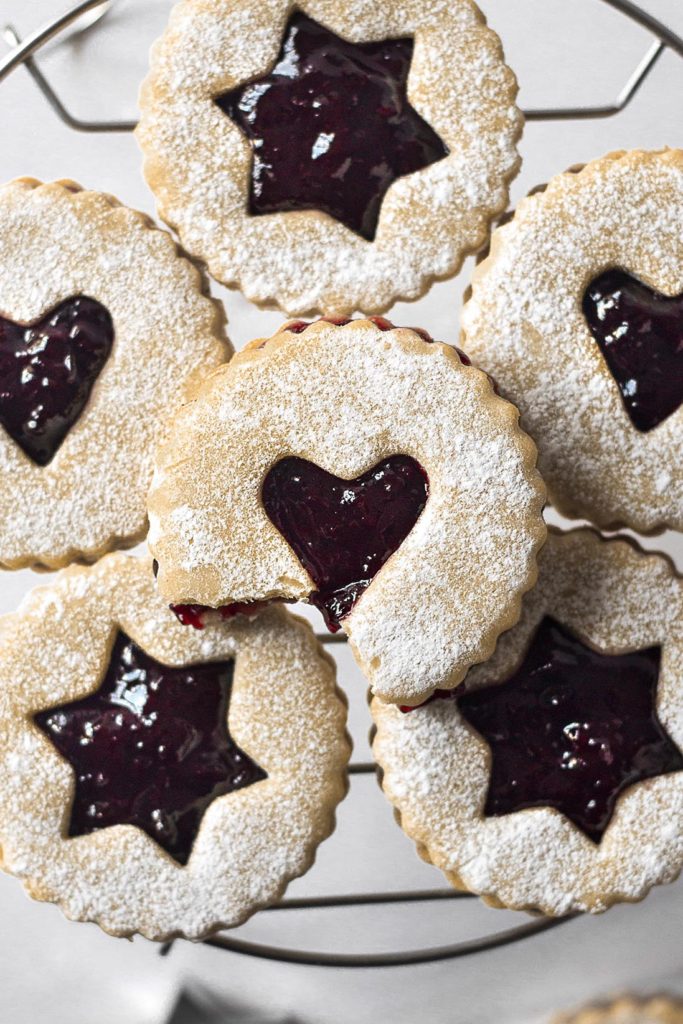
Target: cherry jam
column 343, row 531
column 572, row 729
column 47, row 371
column 331, row 126
column 150, row 748
column 640, row 334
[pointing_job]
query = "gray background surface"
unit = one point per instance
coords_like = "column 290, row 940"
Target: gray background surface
column 564, row 52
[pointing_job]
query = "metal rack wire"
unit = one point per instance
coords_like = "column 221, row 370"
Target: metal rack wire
column 82, row 16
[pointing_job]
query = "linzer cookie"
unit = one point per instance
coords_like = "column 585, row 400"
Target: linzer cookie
column 367, row 470
column 552, row 780
column 104, row 329
column 578, row 313
column 331, row 157
column 154, row 779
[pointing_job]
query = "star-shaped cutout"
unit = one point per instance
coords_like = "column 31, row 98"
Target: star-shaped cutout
column 150, row 747
column 331, row 127
column 572, row 729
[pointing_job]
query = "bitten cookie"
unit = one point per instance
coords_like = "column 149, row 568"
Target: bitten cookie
column 367, row 470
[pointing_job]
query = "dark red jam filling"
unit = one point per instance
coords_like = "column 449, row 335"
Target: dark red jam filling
column 343, row 531
column 436, row 695
column 299, row 326
column 640, row 334
column 150, row 748
column 572, row 729
column 47, row 371
column 195, row 615
column 331, row 127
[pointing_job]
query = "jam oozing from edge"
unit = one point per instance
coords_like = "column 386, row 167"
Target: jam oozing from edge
column 436, row 695
column 299, row 326
column 331, row 127
column 343, row 531
column 47, row 371
column 572, row 729
column 640, row 334
column 195, row 615
column 150, row 748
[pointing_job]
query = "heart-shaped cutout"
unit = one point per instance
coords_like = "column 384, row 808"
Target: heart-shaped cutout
column 640, row 334
column 47, row 371
column 343, row 531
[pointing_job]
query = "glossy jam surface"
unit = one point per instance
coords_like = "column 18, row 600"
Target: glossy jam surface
column 572, row 729
column 331, row 127
column 640, row 334
column 150, row 748
column 343, row 531
column 47, row 371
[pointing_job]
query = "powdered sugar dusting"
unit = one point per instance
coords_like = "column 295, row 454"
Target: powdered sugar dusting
column 57, row 242
column 524, row 323
column 346, row 398
column 436, row 767
column 197, row 161
column 284, row 712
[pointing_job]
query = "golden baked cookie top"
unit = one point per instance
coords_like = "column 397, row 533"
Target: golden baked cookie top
column 368, row 470
column 578, row 314
column 154, row 779
column 553, row 779
column 331, row 158
column 105, row 328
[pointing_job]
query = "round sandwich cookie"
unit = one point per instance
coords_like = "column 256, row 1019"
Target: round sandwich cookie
column 367, row 470
column 578, row 313
column 154, row 779
column 105, row 327
column 334, row 156
column 552, row 780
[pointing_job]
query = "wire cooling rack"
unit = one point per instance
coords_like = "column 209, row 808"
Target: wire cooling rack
column 81, row 17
